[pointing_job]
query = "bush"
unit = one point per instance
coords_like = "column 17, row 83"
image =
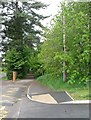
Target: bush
column 9, row 75
column 16, row 61
column 52, row 80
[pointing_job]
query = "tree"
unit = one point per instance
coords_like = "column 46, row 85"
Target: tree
column 52, row 49
column 22, row 28
column 17, row 61
column 76, row 41
column 22, row 24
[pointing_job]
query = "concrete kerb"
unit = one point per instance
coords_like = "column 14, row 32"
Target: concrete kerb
column 69, row 95
column 69, row 102
column 78, row 102
column 28, row 96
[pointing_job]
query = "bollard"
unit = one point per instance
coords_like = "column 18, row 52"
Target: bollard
column 14, row 75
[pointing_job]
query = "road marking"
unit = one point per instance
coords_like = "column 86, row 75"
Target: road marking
column 6, row 101
column 7, row 96
column 14, row 89
column 2, row 107
column 3, row 112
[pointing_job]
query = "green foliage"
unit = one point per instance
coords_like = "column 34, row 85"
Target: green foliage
column 77, row 43
column 77, row 37
column 17, row 61
column 50, row 53
column 35, row 65
column 51, row 80
column 20, row 24
column 21, row 35
column 55, row 82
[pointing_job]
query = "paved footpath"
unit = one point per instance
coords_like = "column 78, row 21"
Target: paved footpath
column 10, row 94
column 38, row 101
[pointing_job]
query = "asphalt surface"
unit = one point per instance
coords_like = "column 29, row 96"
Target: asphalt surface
column 36, row 89
column 23, row 107
column 11, row 94
column 39, row 110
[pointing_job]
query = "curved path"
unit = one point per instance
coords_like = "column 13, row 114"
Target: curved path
column 32, row 108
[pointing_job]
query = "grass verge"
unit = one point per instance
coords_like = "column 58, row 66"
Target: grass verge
column 4, row 78
column 78, row 92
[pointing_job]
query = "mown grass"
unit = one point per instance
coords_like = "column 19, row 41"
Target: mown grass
column 78, row 92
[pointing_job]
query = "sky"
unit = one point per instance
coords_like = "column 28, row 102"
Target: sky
column 52, row 9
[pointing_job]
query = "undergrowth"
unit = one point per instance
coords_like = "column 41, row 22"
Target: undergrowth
column 77, row 91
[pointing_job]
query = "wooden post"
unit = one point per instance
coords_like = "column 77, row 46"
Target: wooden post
column 14, row 76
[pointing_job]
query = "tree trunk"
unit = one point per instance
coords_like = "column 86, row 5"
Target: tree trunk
column 64, row 47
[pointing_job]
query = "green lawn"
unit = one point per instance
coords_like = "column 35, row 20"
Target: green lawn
column 78, row 92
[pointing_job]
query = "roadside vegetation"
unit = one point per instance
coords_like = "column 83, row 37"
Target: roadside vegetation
column 65, row 53
column 62, row 60
column 78, row 92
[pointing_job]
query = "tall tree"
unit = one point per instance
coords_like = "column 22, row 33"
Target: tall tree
column 76, row 40
column 22, row 29
column 64, row 42
column 22, row 23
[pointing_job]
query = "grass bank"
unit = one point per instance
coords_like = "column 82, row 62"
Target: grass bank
column 78, row 92
column 4, row 78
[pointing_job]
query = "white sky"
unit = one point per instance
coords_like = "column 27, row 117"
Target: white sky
column 52, row 9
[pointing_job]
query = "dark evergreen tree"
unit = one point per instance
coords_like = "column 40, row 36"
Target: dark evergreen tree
column 22, row 29
column 22, row 24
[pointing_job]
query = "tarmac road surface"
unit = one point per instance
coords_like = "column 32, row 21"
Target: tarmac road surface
column 20, row 106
